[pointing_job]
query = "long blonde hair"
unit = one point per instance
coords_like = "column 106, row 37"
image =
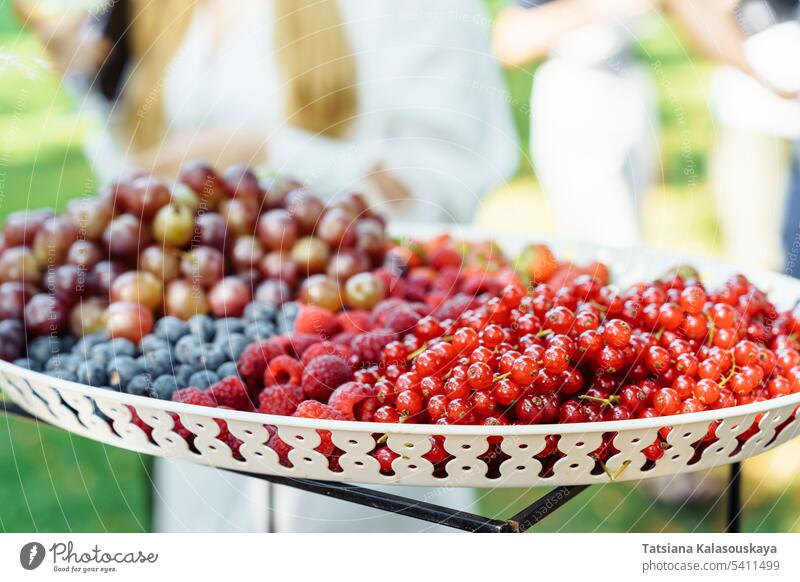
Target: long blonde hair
column 312, row 49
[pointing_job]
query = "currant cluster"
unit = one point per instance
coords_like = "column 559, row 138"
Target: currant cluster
column 585, row 353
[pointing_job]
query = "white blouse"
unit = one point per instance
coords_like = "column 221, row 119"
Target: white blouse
column 433, row 107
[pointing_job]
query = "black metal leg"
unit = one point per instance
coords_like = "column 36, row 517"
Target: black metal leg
column 544, row 506
column 733, row 524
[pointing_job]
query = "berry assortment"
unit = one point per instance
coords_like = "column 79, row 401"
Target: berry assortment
column 248, row 293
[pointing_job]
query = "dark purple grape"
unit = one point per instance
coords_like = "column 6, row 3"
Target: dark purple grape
column 67, row 282
column 247, row 251
column 125, row 237
column 103, row 275
column 241, row 183
column 84, row 254
column 278, row 230
column 337, row 228
column 278, row 265
column 45, row 314
column 206, row 183
column 305, row 208
column 276, row 190
column 210, row 230
column 12, row 339
column 273, row 292
column 52, row 241
column 13, row 296
column 22, row 226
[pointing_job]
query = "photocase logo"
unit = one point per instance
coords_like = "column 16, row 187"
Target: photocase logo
column 31, row 555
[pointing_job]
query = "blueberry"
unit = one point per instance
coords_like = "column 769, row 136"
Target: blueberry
column 102, row 353
column 42, row 349
column 203, row 379
column 164, row 386
column 68, row 362
column 120, row 371
column 212, row 357
column 152, row 343
column 188, row 349
column 233, row 345
column 28, row 364
column 66, row 342
column 122, row 347
column 227, row 369
column 92, row 374
column 286, row 317
column 202, row 326
column 228, row 325
column 256, row 311
column 87, row 342
column 157, row 362
column 63, row 375
column 140, row 385
column 171, row 328
column 290, row 309
column 182, row 375
column 259, row 330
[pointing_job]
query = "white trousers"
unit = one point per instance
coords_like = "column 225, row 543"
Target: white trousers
column 593, row 141
column 194, row 498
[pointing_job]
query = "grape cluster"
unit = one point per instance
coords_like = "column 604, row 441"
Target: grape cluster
column 209, row 244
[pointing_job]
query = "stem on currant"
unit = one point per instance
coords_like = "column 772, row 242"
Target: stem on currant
column 711, row 331
column 544, row 332
column 610, row 401
column 501, row 377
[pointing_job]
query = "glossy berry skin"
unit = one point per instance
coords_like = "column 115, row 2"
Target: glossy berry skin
column 666, row 401
column 409, row 403
column 706, row 392
column 524, row 370
column 617, row 333
column 556, row 360
column 479, row 375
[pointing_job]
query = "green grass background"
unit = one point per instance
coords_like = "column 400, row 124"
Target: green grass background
column 53, row 481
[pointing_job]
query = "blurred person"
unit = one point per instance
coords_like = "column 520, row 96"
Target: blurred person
column 593, row 117
column 399, row 99
column 403, row 101
column 750, row 161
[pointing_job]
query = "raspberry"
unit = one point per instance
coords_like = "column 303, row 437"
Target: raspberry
column 355, row 321
column 192, row 395
column 226, row 437
column 317, row 321
column 279, row 446
column 453, row 307
column 347, row 397
column 283, row 370
column 137, row 420
column 295, row 344
column 327, row 349
column 181, row 430
column 344, row 338
column 415, row 291
column 368, row 346
column 282, row 399
column 254, row 360
column 365, row 412
column 314, row 409
column 402, row 319
column 323, row 375
column 232, row 393
column 383, row 309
